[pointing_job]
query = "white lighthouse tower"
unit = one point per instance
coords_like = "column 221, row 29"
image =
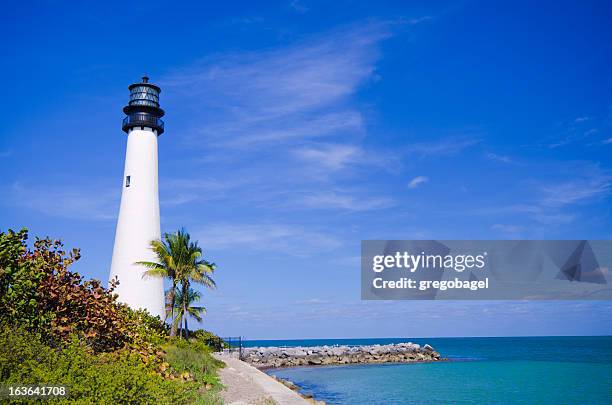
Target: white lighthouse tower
column 138, row 222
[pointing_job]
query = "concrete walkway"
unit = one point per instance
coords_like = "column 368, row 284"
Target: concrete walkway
column 244, row 384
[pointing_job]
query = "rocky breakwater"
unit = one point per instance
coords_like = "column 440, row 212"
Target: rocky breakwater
column 273, row 357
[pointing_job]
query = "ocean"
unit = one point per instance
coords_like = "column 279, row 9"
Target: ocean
column 499, row 370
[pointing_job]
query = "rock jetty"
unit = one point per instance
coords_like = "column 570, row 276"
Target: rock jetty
column 274, row 357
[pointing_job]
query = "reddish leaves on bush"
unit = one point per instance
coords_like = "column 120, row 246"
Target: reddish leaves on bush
column 38, row 291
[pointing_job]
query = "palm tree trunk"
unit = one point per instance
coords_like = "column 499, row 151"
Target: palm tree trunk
column 185, row 319
column 184, row 289
column 186, row 330
column 180, row 324
column 172, row 300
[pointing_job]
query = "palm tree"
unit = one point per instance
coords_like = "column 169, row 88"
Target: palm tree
column 185, row 308
column 167, row 253
column 180, row 260
column 198, row 270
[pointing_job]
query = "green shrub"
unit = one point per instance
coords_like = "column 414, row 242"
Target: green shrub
column 39, row 293
column 210, row 339
column 203, row 335
column 193, row 357
column 107, row 378
column 57, row 328
column 147, row 326
column 20, row 278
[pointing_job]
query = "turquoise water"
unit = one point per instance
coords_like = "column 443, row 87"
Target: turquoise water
column 524, row 370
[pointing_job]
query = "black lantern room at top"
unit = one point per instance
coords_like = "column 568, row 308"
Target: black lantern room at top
column 143, row 108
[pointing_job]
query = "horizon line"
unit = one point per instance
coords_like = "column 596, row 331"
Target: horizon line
column 432, row 337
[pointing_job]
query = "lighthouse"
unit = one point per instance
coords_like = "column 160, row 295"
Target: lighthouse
column 138, row 222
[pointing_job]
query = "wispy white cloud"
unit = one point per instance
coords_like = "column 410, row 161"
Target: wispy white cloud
column 176, row 192
column 546, row 217
column 298, row 6
column 499, row 158
column 345, row 200
column 351, row 314
column 286, row 110
column 448, row 146
column 295, row 92
column 607, row 141
column 555, row 203
column 578, row 131
column 533, row 210
column 418, row 20
column 507, row 228
column 576, row 191
column 101, row 203
column 417, row 181
column 242, row 21
column 83, row 203
column 327, row 124
column 282, row 238
column 330, row 156
column 312, row 301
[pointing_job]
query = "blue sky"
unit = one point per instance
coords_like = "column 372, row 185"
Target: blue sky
column 296, row 129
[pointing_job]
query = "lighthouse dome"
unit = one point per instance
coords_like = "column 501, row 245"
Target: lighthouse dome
column 143, row 107
column 144, row 93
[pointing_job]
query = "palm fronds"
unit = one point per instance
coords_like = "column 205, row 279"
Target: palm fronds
column 180, row 260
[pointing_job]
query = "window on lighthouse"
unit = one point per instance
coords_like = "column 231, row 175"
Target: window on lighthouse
column 127, row 181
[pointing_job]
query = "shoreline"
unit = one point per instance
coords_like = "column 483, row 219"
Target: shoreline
column 245, row 384
column 299, row 390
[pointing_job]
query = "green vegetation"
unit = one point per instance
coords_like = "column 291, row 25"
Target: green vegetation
column 58, row 328
column 184, row 307
column 193, row 357
column 180, row 260
column 104, row 378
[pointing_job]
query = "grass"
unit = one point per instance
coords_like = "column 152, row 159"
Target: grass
column 193, row 360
